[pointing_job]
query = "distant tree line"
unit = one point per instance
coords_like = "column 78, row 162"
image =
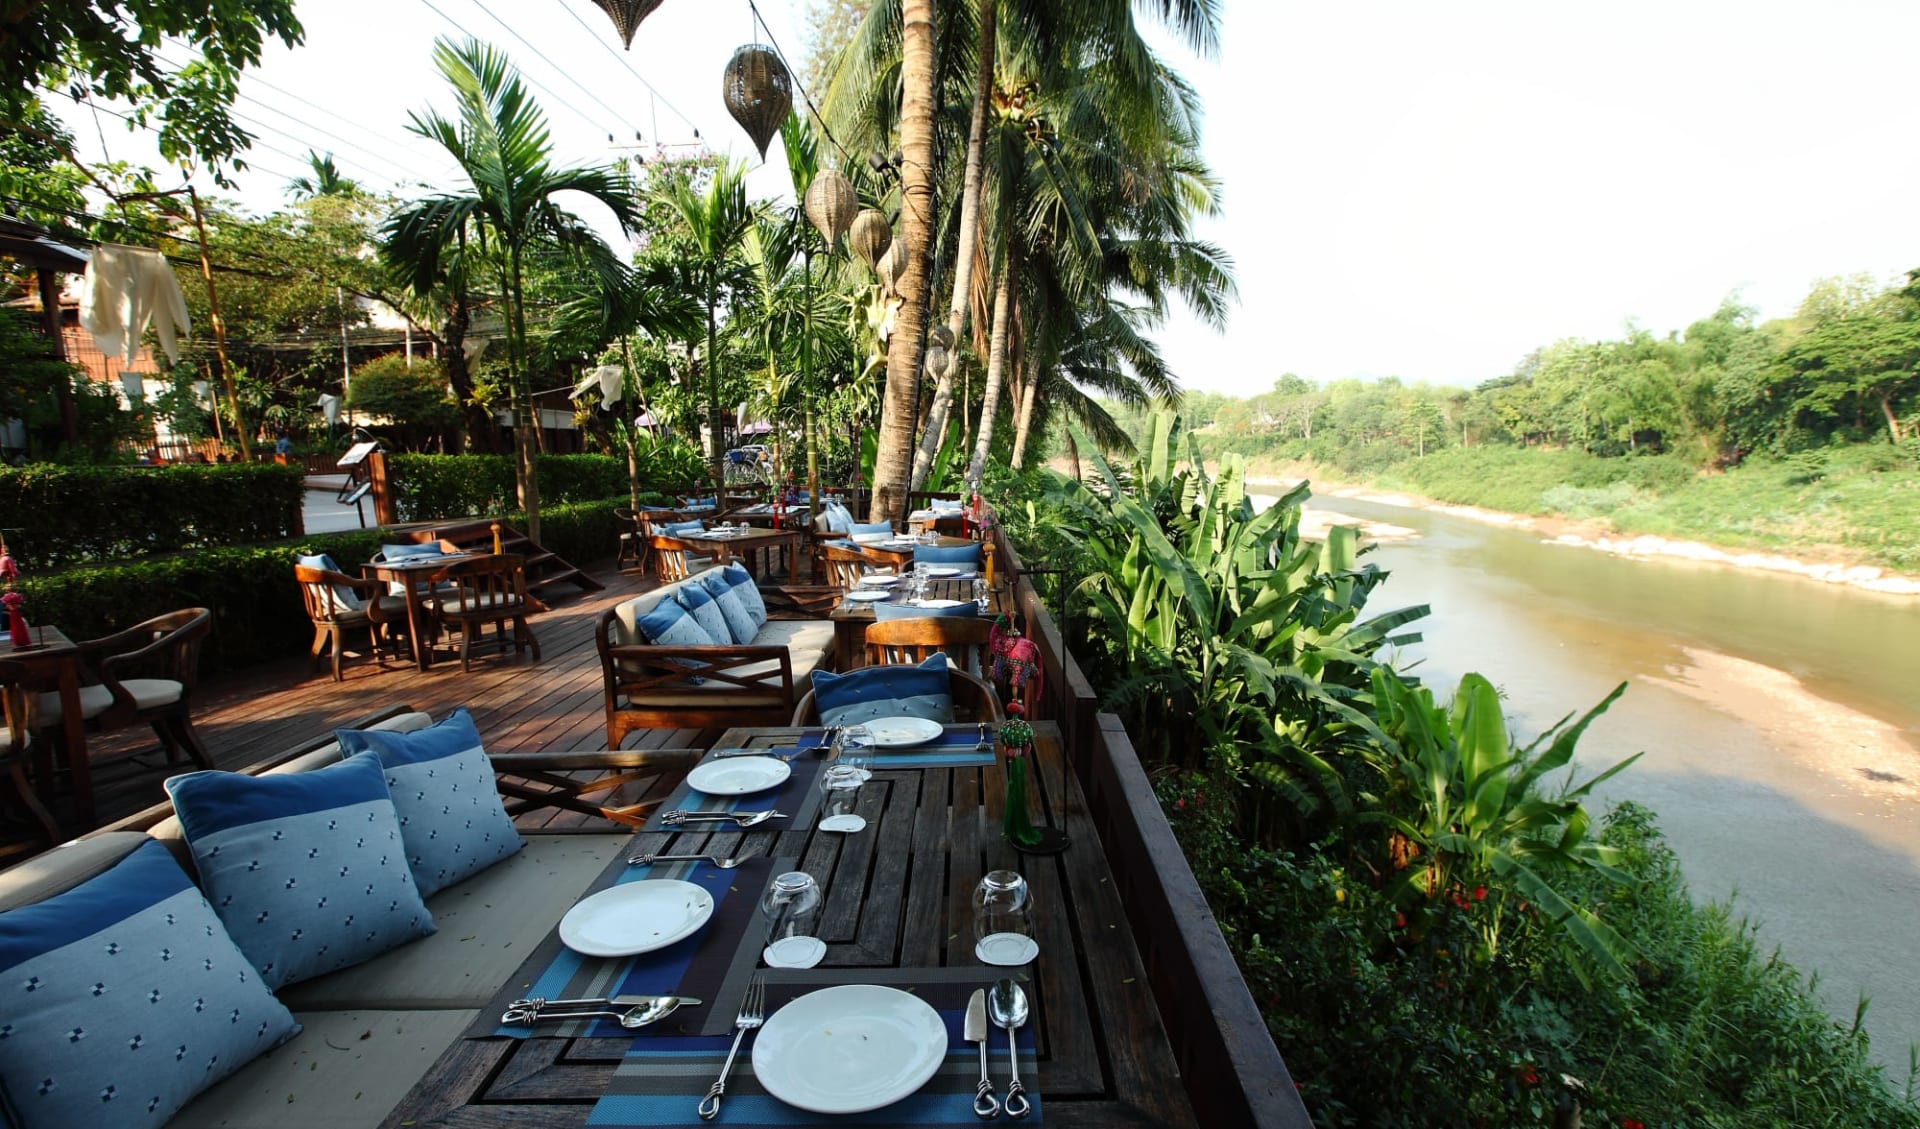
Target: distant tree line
column 1844, row 369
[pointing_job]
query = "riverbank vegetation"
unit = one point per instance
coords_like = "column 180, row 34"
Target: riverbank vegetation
column 1438, row 929
column 1795, row 435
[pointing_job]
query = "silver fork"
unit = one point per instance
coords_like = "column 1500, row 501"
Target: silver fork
column 715, row 860
column 753, row 1012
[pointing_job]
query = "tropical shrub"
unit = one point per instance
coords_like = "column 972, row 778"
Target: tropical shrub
column 57, row 516
column 450, row 487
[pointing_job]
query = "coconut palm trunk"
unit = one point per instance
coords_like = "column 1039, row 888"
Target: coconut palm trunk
column 996, row 367
column 1029, row 391
column 936, row 432
column 528, row 431
column 893, row 458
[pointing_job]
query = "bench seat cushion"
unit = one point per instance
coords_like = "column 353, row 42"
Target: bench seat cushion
column 488, row 925
column 809, row 642
column 346, row 1068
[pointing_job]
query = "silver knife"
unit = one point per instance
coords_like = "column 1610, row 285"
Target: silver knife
column 984, row 1103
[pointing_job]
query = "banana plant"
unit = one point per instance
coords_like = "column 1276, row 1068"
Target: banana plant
column 1478, row 813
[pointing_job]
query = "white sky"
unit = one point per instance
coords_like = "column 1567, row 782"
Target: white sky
column 1411, row 188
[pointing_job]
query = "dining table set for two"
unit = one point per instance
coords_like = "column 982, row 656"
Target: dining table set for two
column 713, row 954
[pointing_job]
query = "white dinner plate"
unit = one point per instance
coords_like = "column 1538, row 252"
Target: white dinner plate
column 637, row 917
column 868, row 595
column 938, row 571
column 868, row 538
column 849, row 1048
column 877, row 580
column 940, row 603
column 899, row 732
column 739, row 776
column 898, row 544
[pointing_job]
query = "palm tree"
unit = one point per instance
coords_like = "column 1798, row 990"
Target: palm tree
column 716, row 224
column 500, row 142
column 326, row 180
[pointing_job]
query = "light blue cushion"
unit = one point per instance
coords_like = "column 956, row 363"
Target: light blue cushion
column 669, row 625
column 749, row 593
column 740, row 625
column 839, row 519
column 871, row 527
column 967, row 556
column 307, row 870
column 699, row 603
column 681, row 528
column 885, row 691
column 346, row 597
column 966, row 609
column 414, row 549
column 124, row 999
column 451, row 818
column 700, row 503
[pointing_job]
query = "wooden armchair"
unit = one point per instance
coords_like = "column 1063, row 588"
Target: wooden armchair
column 697, row 687
column 338, row 603
column 487, row 589
column 679, row 559
column 973, row 701
column 962, row 639
column 844, row 566
column 166, row 651
column 633, row 537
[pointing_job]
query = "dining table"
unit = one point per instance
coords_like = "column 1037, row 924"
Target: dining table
column 416, row 577
column 753, row 547
column 896, row 918
column 59, row 663
column 897, row 552
column 852, row 617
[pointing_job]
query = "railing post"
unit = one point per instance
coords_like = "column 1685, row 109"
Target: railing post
column 386, row 509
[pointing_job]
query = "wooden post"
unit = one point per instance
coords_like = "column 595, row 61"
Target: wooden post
column 986, row 549
column 50, row 314
column 496, row 538
column 385, row 510
column 219, row 329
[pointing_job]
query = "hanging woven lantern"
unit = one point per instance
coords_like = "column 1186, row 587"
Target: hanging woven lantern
column 892, row 266
column 939, row 354
column 870, row 236
column 831, row 204
column 758, row 91
column 627, row 15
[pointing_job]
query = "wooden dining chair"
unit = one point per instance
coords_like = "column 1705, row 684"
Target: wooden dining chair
column 143, row 675
column 678, row 559
column 17, row 682
column 973, row 700
column 963, row 640
column 490, row 589
column 633, row 540
column 844, row 566
column 337, row 604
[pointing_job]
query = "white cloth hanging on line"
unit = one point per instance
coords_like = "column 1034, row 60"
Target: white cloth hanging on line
column 126, row 288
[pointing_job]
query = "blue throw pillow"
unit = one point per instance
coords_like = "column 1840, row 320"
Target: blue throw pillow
column 307, row 870
column 885, row 691
column 694, row 597
column 839, row 518
column 740, row 625
column 412, row 549
column 346, row 597
column 451, row 818
column 669, row 625
column 966, row 556
column 749, row 593
column 125, row 998
column 889, row 610
column 871, row 527
column 682, row 528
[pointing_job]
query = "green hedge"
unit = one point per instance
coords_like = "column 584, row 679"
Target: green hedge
column 57, row 516
column 257, row 613
column 450, row 487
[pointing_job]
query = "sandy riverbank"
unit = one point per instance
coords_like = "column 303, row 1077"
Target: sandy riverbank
column 1600, row 536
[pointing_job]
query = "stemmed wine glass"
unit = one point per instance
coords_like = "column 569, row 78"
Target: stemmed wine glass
column 791, row 906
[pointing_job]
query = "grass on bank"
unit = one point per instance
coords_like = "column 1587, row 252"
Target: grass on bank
column 1856, row 504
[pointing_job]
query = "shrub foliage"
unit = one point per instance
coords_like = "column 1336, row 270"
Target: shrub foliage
column 57, row 516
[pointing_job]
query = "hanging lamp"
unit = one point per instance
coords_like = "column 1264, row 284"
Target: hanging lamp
column 831, row 204
column 627, row 15
column 870, row 236
column 892, row 266
column 758, row 92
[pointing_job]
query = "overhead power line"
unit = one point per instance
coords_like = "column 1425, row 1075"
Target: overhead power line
column 797, row 84
column 534, row 82
column 623, row 61
column 568, row 75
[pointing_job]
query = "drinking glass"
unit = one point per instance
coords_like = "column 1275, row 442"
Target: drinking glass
column 853, row 747
column 981, row 594
column 922, row 575
column 791, row 906
column 840, row 789
column 1003, row 920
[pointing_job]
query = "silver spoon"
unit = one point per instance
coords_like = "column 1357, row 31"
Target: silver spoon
column 714, row 860
column 1008, row 1006
column 633, row 1017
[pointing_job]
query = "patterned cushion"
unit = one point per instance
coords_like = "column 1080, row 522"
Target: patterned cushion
column 869, row 529
column 345, row 597
column 733, row 609
column 412, row 549
column 669, row 625
column 965, row 609
column 839, row 518
column 694, row 597
column 124, row 998
column 968, row 556
column 885, row 691
column 749, row 593
column 451, row 818
column 308, row 870
column 680, row 528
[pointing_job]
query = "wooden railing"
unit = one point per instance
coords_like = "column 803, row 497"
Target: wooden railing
column 1232, row 1072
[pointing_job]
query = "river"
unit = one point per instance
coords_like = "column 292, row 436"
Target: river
column 1778, row 716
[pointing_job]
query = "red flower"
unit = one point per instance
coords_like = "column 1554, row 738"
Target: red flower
column 1528, row 1075
column 1479, row 893
column 1630, row 1123
column 1179, row 804
column 1399, row 921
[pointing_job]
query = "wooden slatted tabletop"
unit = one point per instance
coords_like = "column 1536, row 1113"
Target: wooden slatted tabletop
column 898, row 895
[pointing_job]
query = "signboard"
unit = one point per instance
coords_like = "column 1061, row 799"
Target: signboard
column 357, row 454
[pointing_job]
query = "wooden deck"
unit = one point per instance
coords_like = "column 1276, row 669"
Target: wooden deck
column 519, row 705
